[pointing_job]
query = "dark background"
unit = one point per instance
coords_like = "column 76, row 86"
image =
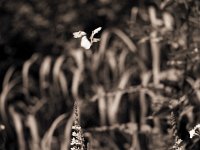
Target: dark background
column 46, row 27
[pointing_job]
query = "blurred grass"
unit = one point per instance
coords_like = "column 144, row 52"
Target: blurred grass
column 127, row 87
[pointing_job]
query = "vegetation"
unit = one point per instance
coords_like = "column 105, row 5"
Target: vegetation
column 137, row 88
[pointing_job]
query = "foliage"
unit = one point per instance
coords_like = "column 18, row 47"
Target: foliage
column 138, row 88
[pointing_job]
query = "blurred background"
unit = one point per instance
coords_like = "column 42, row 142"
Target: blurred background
column 136, row 89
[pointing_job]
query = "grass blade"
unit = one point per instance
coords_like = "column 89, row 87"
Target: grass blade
column 47, row 139
column 18, row 127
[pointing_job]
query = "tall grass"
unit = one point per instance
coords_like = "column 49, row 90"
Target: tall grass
column 126, row 88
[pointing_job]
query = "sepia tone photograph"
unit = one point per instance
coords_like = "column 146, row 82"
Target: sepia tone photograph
column 99, row 75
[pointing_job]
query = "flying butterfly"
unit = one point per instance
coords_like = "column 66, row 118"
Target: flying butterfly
column 85, row 42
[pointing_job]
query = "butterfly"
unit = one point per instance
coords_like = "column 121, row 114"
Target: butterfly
column 85, row 42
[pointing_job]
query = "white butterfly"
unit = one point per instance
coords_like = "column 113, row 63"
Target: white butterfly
column 85, row 42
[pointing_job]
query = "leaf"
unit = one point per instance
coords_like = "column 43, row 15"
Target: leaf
column 102, row 105
column 79, row 34
column 44, row 74
column 31, row 123
column 26, row 73
column 63, row 83
column 8, row 76
column 46, row 141
column 67, row 131
column 4, row 97
column 18, row 125
column 115, row 104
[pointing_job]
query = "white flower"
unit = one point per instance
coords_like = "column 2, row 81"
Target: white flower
column 76, row 127
column 197, row 126
column 74, row 134
column 73, row 141
column 193, row 132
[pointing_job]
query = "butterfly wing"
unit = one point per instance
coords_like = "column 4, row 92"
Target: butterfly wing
column 97, row 30
column 79, row 34
column 85, row 43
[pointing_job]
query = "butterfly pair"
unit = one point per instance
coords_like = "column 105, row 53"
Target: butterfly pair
column 85, row 42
